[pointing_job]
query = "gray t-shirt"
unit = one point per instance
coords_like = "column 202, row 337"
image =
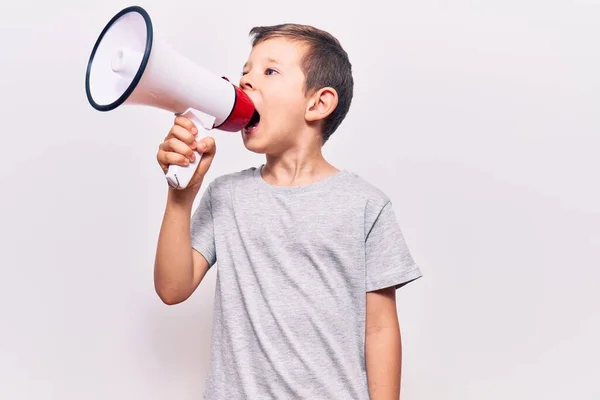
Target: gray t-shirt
column 293, row 268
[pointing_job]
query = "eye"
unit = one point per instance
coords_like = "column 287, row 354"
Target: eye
column 269, row 70
column 243, row 73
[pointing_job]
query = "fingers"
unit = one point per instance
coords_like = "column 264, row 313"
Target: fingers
column 166, row 158
column 180, row 145
column 177, row 146
column 183, row 134
column 174, row 151
column 186, row 123
column 207, row 145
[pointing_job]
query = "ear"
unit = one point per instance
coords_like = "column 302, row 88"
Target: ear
column 321, row 104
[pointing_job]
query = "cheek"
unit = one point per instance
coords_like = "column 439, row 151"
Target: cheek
column 287, row 109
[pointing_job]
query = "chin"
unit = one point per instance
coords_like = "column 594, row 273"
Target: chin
column 254, row 145
column 261, row 141
column 261, row 147
column 256, row 149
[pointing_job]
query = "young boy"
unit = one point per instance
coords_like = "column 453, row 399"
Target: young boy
column 309, row 256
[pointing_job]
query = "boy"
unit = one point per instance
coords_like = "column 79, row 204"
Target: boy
column 309, row 256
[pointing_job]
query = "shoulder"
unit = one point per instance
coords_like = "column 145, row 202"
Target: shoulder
column 374, row 202
column 366, row 191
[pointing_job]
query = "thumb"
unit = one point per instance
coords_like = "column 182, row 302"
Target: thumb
column 208, row 148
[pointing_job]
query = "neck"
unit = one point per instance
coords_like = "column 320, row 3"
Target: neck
column 297, row 166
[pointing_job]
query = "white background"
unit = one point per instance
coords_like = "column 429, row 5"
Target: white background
column 479, row 119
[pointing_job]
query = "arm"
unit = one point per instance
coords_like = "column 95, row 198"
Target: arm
column 383, row 347
column 178, row 269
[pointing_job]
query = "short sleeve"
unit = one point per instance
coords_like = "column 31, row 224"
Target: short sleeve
column 202, row 233
column 388, row 259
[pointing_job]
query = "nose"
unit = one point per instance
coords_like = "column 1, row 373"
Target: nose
column 245, row 82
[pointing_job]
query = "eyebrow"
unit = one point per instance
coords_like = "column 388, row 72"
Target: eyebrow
column 269, row 59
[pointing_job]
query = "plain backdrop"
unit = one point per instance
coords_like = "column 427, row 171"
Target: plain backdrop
column 479, row 119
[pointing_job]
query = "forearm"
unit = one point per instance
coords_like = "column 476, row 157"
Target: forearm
column 383, row 352
column 173, row 268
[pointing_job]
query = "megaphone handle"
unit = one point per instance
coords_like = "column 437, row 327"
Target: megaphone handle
column 179, row 176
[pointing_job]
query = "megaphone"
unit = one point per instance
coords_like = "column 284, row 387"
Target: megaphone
column 130, row 65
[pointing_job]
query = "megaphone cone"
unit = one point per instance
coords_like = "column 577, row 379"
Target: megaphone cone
column 130, row 65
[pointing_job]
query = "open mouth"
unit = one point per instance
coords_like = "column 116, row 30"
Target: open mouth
column 254, row 120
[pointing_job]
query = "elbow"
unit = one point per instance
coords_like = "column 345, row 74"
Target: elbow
column 170, row 297
column 171, row 289
column 170, row 300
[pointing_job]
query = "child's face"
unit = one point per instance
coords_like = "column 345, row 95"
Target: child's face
column 273, row 79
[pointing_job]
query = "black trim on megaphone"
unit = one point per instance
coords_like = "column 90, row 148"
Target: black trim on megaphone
column 140, row 72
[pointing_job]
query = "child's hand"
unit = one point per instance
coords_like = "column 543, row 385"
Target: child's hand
column 179, row 145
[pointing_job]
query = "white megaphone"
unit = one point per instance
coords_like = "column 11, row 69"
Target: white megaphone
column 129, row 65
